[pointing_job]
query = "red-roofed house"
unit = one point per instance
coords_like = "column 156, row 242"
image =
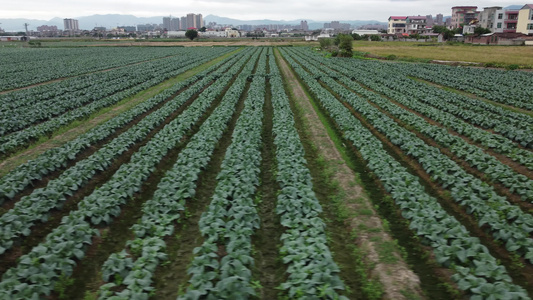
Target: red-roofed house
column 397, row 24
column 525, row 20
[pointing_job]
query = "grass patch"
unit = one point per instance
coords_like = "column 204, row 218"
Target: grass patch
column 495, row 56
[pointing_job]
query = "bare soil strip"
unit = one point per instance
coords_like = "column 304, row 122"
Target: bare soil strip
column 399, row 282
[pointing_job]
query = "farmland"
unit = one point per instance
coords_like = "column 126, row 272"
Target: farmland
column 242, row 172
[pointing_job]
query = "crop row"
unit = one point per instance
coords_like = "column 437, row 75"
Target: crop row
column 129, row 273
column 400, row 90
column 49, row 64
column 38, row 271
column 231, row 217
column 114, row 81
column 494, row 169
column 476, row 271
column 508, row 222
column 22, row 138
column 36, row 206
column 312, row 273
column 81, row 85
column 55, row 158
column 514, row 126
column 474, row 156
column 507, row 87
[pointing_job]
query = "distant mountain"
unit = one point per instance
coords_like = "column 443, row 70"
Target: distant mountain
column 312, row 24
column 114, row 20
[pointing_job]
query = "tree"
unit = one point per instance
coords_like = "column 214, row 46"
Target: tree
column 481, row 30
column 203, row 29
column 191, row 34
column 325, row 43
column 439, row 29
column 345, row 45
column 375, row 38
column 356, row 37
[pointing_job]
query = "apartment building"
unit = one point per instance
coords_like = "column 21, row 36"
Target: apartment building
column 71, row 25
column 525, row 20
column 397, row 25
column 415, row 24
column 487, row 18
column 506, row 19
column 463, row 15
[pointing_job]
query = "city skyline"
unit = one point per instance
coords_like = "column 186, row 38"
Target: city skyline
column 243, row 9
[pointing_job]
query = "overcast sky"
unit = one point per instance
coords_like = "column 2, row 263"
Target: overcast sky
column 318, row 10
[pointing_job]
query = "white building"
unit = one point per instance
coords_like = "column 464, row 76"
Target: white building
column 363, row 32
column 71, row 25
column 231, row 33
column 213, row 33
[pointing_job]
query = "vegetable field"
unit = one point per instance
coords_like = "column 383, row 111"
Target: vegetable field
column 208, row 181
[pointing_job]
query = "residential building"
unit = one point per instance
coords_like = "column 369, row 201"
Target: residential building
column 230, row 33
column 506, row 19
column 213, row 33
column 146, row 27
column 463, row 15
column 127, row 29
column 167, row 23
column 488, row 17
column 429, row 21
column 439, row 20
column 336, row 25
column 183, row 23
column 525, row 20
column 506, row 39
column 199, row 20
column 71, row 25
column 46, row 28
column 304, row 26
column 415, row 24
column 365, row 32
column 397, row 25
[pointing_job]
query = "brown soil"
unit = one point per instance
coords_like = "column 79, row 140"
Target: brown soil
column 397, row 279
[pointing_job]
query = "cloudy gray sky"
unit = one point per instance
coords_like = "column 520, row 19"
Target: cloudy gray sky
column 318, row 10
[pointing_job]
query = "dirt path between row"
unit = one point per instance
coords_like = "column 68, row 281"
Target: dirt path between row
column 386, row 264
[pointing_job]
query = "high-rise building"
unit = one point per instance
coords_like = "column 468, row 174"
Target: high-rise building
column 304, row 26
column 429, row 21
column 199, row 20
column 183, row 23
column 71, row 25
column 166, row 23
column 439, row 20
column 191, row 21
